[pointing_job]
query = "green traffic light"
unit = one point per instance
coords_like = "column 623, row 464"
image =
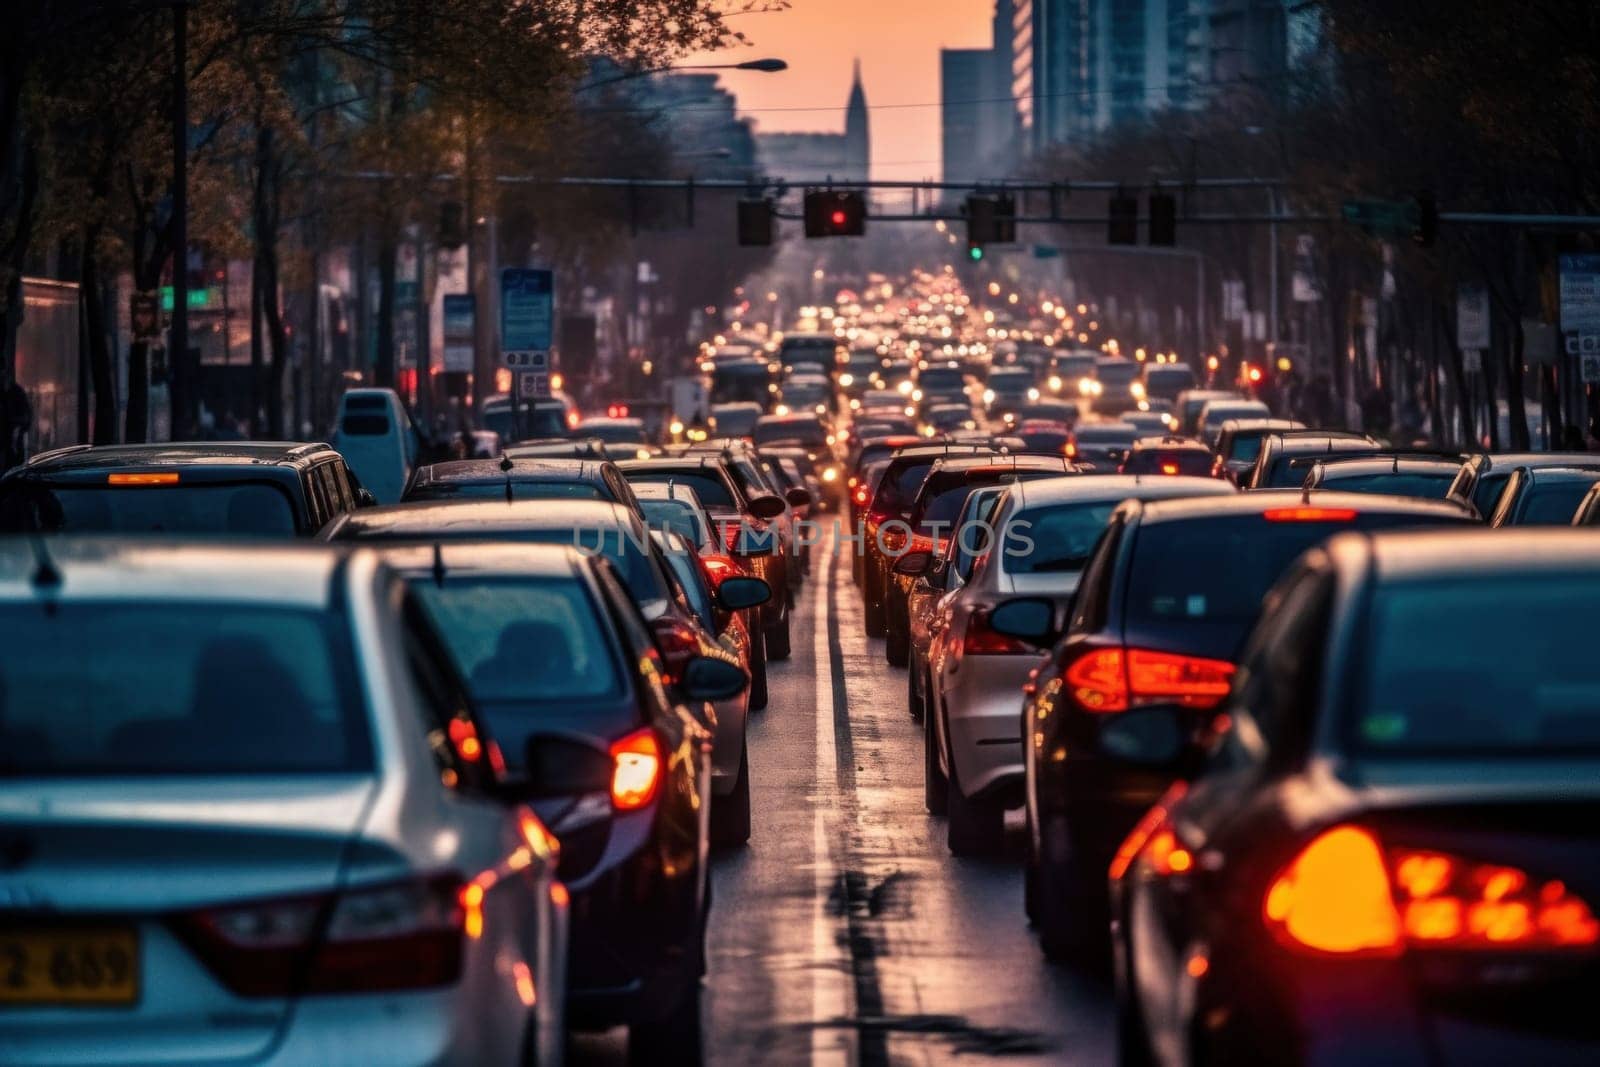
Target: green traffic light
column 975, row 252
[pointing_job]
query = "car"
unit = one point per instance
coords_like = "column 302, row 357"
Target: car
column 1006, row 389
column 1387, row 854
column 1219, row 410
column 554, row 652
column 805, row 394
column 1284, row 458
column 1166, row 598
column 933, row 512
column 242, row 488
column 1114, row 381
column 738, row 419
column 509, row 478
column 741, row 521
column 1548, row 496
column 1239, row 441
column 1102, row 445
column 809, row 351
column 1482, row 476
column 736, row 381
column 1065, row 412
column 879, row 424
column 1395, row 475
column 855, row 374
column 1041, row 532
column 375, row 436
column 620, row 433
column 1190, row 402
column 1040, row 437
column 809, row 431
column 557, row 448
column 944, row 418
column 260, row 822
column 1149, row 423
column 1168, row 455
column 1166, row 381
column 1072, row 373
column 538, row 417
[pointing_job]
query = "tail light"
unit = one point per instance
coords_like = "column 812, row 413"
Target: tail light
column 1169, row 468
column 678, row 643
column 1169, row 857
column 1071, row 450
column 893, row 539
column 980, row 640
column 1309, row 514
column 1116, row 679
column 719, row 568
column 861, row 496
column 400, row 935
column 1344, row 894
column 636, row 770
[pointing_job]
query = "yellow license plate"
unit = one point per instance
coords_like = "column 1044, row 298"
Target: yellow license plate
column 58, row 965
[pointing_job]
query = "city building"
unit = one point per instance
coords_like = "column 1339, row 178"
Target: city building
column 977, row 117
column 800, row 158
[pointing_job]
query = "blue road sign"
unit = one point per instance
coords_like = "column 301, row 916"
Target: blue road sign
column 527, row 309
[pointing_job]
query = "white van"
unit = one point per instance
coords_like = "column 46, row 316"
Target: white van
column 377, row 440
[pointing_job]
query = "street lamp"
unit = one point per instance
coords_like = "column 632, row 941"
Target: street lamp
column 762, row 66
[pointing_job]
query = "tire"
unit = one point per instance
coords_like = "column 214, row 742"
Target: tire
column 897, row 635
column 1133, row 1045
column 1067, row 916
column 758, row 669
column 777, row 641
column 976, row 826
column 730, row 815
column 935, row 788
column 872, row 593
column 675, row 1038
column 916, row 703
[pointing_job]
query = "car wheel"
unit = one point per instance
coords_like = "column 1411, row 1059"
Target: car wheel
column 976, row 825
column 935, row 789
column 1070, row 924
column 675, row 1038
column 730, row 815
column 897, row 646
column 855, row 568
column 777, row 641
column 873, row 595
column 915, row 702
column 1133, row 1046
column 758, row 669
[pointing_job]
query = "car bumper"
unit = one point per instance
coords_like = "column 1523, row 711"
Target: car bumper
column 982, row 700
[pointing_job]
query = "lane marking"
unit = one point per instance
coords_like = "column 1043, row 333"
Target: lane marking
column 830, row 1041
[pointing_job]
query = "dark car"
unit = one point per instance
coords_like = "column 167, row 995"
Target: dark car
column 549, row 416
column 1392, row 475
column 934, row 511
column 558, row 448
column 246, row 488
column 1285, row 458
column 1102, row 445
column 1166, row 597
column 1548, row 496
column 560, row 664
column 1239, row 442
column 1390, row 854
column 1483, row 476
column 1167, row 455
column 511, row 478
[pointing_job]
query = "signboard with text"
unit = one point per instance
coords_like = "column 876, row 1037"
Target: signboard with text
column 1472, row 317
column 527, row 317
column 460, row 332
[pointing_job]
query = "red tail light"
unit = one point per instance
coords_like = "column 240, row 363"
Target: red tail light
column 1153, row 822
column 636, row 770
column 980, row 640
column 1115, row 679
column 1309, row 514
column 739, row 537
column 400, row 935
column 719, row 568
column 893, row 538
column 678, row 644
column 1169, row 468
column 1344, row 894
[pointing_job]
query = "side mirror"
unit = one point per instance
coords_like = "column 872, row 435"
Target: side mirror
column 767, row 506
column 914, row 564
column 1032, row 619
column 798, row 497
column 705, row 678
column 739, row 592
column 1145, row 737
column 565, row 766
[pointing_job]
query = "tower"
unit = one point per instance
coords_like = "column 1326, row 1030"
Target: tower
column 857, row 143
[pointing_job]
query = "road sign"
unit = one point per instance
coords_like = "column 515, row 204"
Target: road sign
column 1580, row 293
column 460, row 332
column 527, row 311
column 527, row 360
column 1383, row 218
column 1472, row 317
column 144, row 316
column 533, row 385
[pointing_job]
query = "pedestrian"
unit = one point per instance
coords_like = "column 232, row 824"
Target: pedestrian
column 16, row 424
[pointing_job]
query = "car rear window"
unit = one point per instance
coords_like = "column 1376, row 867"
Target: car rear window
column 1430, row 486
column 899, row 486
column 520, row 490
column 1177, row 461
column 1245, row 447
column 1121, row 373
column 1552, row 505
column 177, row 688
column 941, row 378
column 806, row 431
column 943, row 494
column 364, row 425
column 1054, row 539
column 1488, row 490
column 1433, row 687
column 248, row 509
column 711, row 489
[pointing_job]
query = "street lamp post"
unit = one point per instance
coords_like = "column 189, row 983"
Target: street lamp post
column 178, row 358
column 763, row 66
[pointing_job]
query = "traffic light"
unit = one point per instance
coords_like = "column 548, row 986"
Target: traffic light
column 452, row 225
column 1163, row 219
column 1005, row 219
column 755, row 222
column 1124, row 214
column 1426, row 231
column 981, row 226
column 835, row 213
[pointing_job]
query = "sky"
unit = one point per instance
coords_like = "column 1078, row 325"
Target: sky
column 898, row 43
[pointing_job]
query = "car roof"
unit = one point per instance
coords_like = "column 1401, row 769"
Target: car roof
column 527, row 469
column 1503, row 460
column 916, row 452
column 1536, row 475
column 289, row 573
column 1356, row 466
column 1067, row 490
column 84, row 458
column 667, row 491
column 486, row 558
column 681, row 461
column 999, row 462
column 1168, row 442
column 1327, row 442
column 1264, row 425
column 1471, row 553
column 1260, row 500
column 424, row 518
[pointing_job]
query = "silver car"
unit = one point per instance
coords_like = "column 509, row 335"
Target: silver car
column 244, row 817
column 1044, row 532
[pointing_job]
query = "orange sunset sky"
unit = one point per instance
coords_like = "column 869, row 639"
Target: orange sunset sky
column 898, row 43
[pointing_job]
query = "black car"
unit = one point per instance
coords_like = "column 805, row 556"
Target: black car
column 560, row 664
column 1284, row 459
column 516, row 478
column 244, row 488
column 1169, row 455
column 1426, row 477
column 1239, row 441
column 1390, row 854
column 558, row 448
column 1547, row 496
column 1482, row 476
column 1166, row 597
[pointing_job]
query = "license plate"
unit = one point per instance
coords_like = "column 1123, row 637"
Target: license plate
column 57, row 965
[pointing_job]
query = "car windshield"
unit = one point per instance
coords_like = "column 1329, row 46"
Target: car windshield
column 1434, row 688
column 251, row 509
column 806, row 431
column 534, row 653
column 1244, row 447
column 177, row 688
column 1053, row 539
column 943, row 494
column 525, row 489
column 736, row 422
column 941, row 378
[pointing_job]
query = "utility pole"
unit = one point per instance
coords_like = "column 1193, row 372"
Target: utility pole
column 178, row 360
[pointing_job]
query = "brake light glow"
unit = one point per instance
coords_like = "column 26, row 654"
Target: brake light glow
column 1344, row 894
column 636, row 770
column 861, row 496
column 464, row 736
column 1309, row 514
column 1169, row 468
column 144, row 478
column 1115, row 679
column 1152, row 821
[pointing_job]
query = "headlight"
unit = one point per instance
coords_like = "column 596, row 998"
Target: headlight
column 708, row 366
column 1137, row 389
column 675, row 428
column 643, row 453
column 830, row 474
column 822, row 409
column 855, row 405
column 1054, row 383
column 916, row 394
column 904, row 387
column 910, row 411
column 988, row 396
column 781, row 409
column 846, row 380
column 1033, row 394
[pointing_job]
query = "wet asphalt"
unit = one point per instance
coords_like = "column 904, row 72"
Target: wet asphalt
column 845, row 932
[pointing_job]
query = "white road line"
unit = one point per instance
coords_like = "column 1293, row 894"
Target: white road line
column 830, row 966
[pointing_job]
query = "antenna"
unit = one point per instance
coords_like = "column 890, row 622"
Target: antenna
column 45, row 575
column 438, row 564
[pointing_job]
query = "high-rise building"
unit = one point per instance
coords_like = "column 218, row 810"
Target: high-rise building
column 801, row 158
column 976, row 107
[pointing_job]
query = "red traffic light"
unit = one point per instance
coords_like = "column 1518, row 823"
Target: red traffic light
column 838, row 218
column 835, row 213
